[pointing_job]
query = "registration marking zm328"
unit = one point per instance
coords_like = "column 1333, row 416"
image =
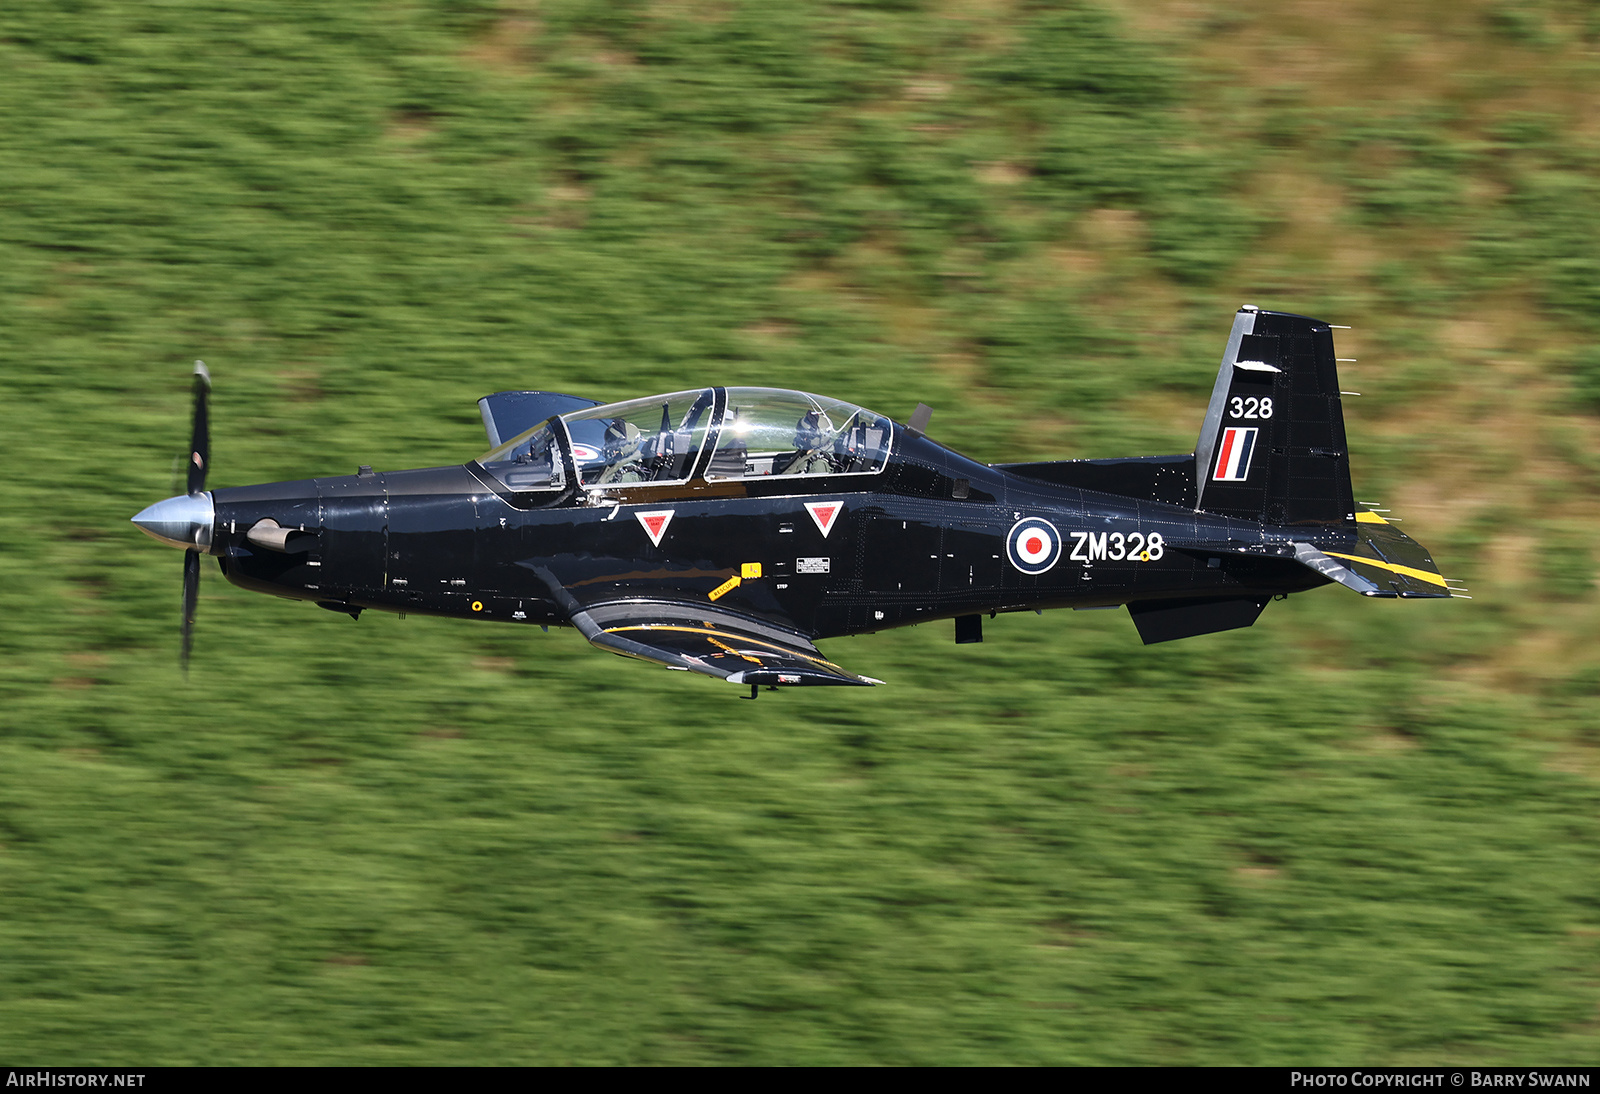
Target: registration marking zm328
column 1117, row 546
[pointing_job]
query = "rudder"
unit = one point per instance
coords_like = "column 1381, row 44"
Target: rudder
column 1272, row 447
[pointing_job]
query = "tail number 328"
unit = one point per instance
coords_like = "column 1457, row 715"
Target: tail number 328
column 1250, row 407
column 1115, row 546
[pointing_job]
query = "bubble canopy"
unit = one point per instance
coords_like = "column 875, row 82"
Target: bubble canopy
column 749, row 432
column 766, row 431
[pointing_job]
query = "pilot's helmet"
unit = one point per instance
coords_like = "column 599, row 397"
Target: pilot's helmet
column 616, row 439
column 812, row 429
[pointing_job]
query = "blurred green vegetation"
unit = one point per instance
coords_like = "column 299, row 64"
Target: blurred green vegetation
column 1357, row 833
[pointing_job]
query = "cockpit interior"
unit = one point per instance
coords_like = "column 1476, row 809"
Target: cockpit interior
column 751, row 433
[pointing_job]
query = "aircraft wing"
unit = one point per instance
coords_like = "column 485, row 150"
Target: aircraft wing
column 701, row 638
column 715, row 643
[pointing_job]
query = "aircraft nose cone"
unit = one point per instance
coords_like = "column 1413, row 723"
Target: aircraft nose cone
column 184, row 521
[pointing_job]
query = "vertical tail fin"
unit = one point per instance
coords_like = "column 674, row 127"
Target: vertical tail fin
column 1272, row 447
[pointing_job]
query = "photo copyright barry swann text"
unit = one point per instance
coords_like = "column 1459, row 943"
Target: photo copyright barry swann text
column 1464, row 1077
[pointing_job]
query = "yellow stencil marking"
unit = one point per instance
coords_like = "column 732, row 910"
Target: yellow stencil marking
column 750, row 570
column 729, row 649
column 726, row 587
column 747, row 640
column 477, row 605
column 1365, row 517
column 1407, row 571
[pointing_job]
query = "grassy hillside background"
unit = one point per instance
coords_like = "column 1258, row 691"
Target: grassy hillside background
column 1356, row 833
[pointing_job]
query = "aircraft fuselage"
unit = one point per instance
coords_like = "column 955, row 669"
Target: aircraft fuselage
column 928, row 541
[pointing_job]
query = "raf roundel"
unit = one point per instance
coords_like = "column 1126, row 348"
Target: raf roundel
column 1033, row 545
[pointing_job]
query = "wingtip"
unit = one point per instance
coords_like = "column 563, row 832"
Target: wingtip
column 204, row 373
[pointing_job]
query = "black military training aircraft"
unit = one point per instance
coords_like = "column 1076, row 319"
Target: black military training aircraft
column 724, row 530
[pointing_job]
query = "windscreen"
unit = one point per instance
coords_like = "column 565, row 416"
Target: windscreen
column 654, row 440
column 528, row 461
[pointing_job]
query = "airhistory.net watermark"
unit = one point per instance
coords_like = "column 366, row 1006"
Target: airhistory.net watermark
column 47, row 1078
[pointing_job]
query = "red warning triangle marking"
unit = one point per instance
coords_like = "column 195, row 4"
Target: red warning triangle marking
column 655, row 524
column 824, row 513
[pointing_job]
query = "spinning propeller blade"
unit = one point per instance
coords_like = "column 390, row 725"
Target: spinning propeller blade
column 185, row 521
column 200, row 435
column 199, row 463
column 191, row 594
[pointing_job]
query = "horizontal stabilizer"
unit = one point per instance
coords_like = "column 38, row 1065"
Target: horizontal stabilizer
column 1374, row 559
column 1334, row 570
column 1383, row 561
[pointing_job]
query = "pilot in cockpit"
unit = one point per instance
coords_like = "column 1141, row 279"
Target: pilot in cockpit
column 621, row 453
column 813, row 442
